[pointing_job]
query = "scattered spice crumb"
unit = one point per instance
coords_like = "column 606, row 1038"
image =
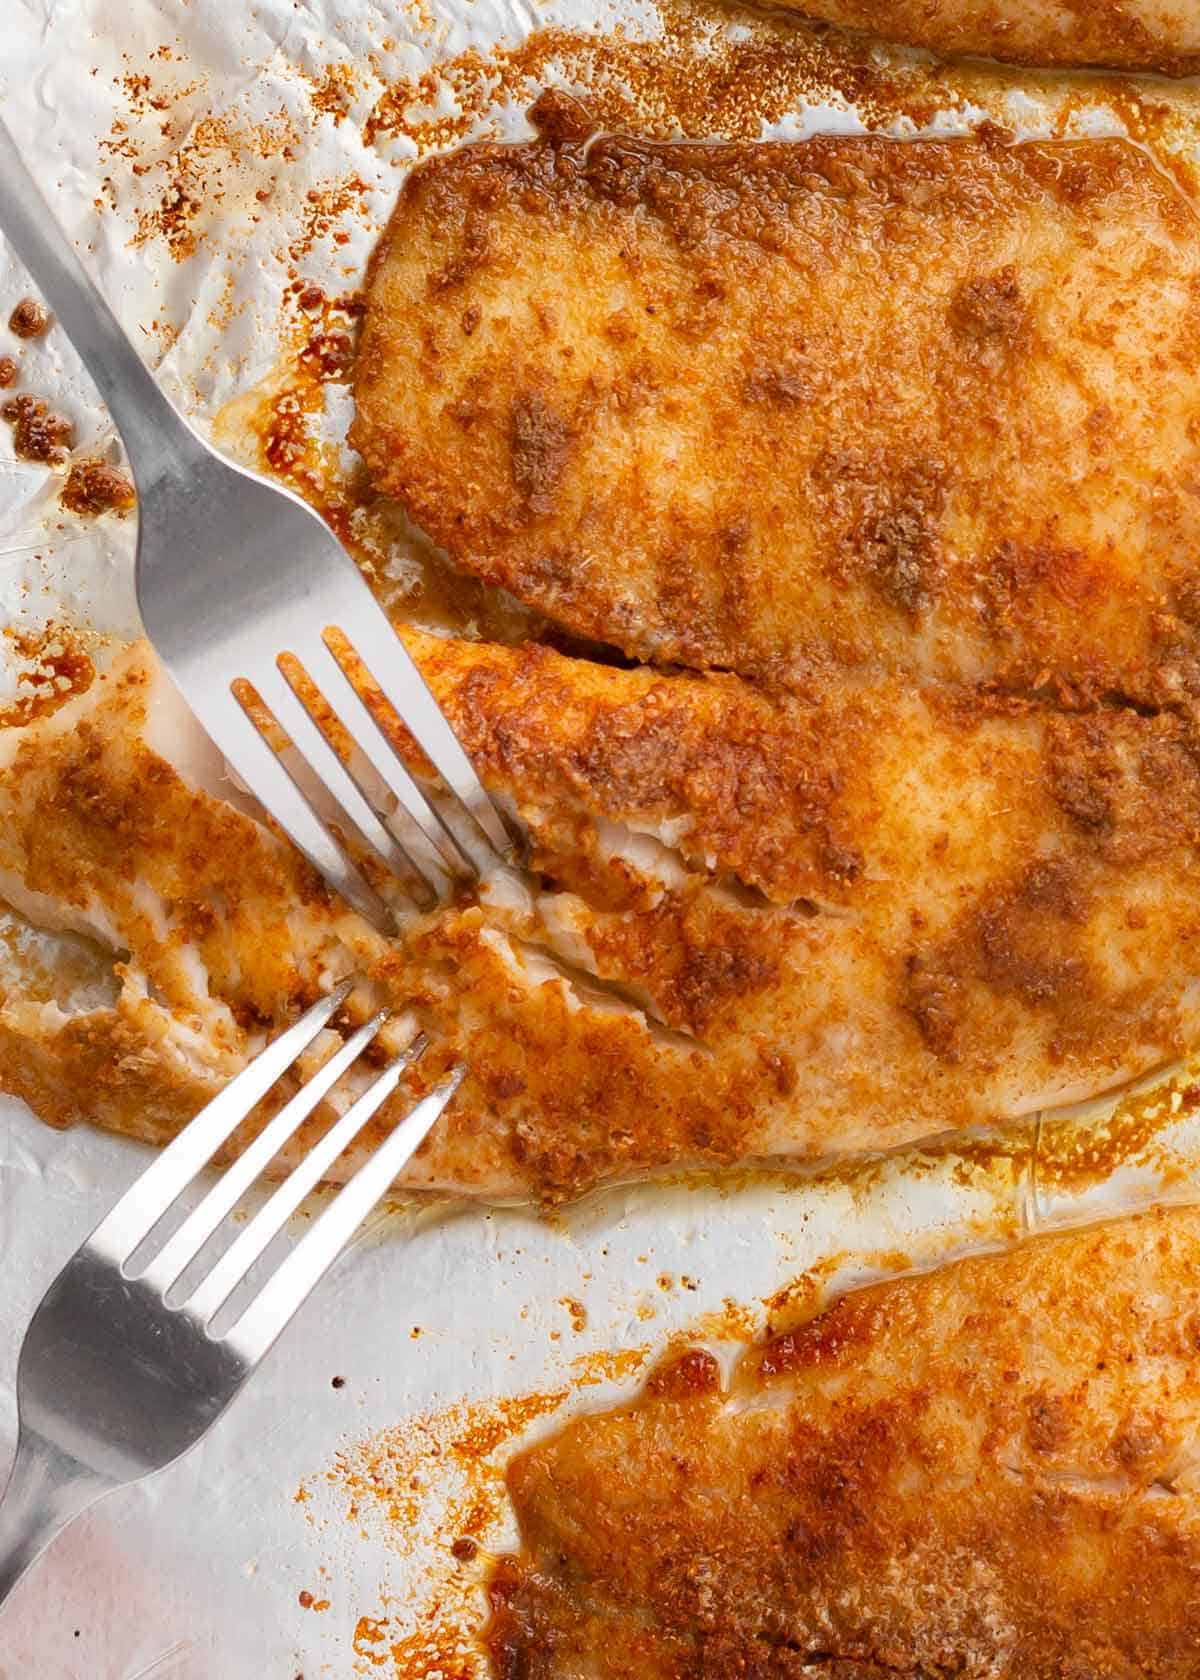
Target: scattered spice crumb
column 324, row 206
column 94, row 487
column 181, row 193
column 577, row 1311
column 140, row 94
column 38, row 433
column 29, row 319
column 390, row 1471
column 437, row 1482
column 329, row 355
column 306, row 1600
column 338, row 1382
column 333, row 93
column 8, row 372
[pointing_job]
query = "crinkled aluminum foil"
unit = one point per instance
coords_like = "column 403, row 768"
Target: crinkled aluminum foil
column 205, row 154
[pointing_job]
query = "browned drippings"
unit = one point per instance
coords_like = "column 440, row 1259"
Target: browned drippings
column 54, row 666
column 331, row 93
column 30, row 319
column 1074, row 1154
column 94, row 487
column 39, row 434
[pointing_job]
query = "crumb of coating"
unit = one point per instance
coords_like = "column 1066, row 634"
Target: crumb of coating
column 983, row 1470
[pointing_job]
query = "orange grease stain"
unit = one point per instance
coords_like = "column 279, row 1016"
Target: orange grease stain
column 591, row 1369
column 52, row 668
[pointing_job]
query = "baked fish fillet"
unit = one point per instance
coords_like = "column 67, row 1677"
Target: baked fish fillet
column 924, row 407
column 764, row 927
column 991, row 1472
column 1159, row 35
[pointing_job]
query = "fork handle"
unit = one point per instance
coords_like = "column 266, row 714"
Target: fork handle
column 45, row 1491
column 153, row 433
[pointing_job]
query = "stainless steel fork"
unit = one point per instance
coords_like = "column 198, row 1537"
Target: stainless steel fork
column 235, row 573
column 117, row 1378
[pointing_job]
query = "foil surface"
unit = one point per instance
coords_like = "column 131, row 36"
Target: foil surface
column 212, row 160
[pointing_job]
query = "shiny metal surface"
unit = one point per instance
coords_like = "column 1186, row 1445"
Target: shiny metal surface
column 234, row 573
column 123, row 1368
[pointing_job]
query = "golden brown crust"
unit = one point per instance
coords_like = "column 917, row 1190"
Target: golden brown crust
column 999, row 862
column 780, row 407
column 1161, row 35
column 989, row 1471
column 756, row 780
column 831, row 908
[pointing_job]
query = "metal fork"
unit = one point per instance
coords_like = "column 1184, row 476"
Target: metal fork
column 234, row 572
column 116, row 1378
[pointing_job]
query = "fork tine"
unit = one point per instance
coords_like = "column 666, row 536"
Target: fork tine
column 356, row 719
column 307, row 738
column 211, row 1294
column 391, row 665
column 183, row 1245
column 140, row 1209
column 302, row 1269
column 277, row 791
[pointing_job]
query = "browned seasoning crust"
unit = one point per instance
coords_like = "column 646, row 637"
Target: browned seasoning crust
column 985, row 1472
column 908, row 827
column 855, row 918
column 1161, row 35
column 927, row 407
column 856, row 904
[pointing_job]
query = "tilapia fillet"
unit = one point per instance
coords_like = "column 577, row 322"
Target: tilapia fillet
column 765, row 926
column 991, row 1472
column 927, row 408
column 1161, row 35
